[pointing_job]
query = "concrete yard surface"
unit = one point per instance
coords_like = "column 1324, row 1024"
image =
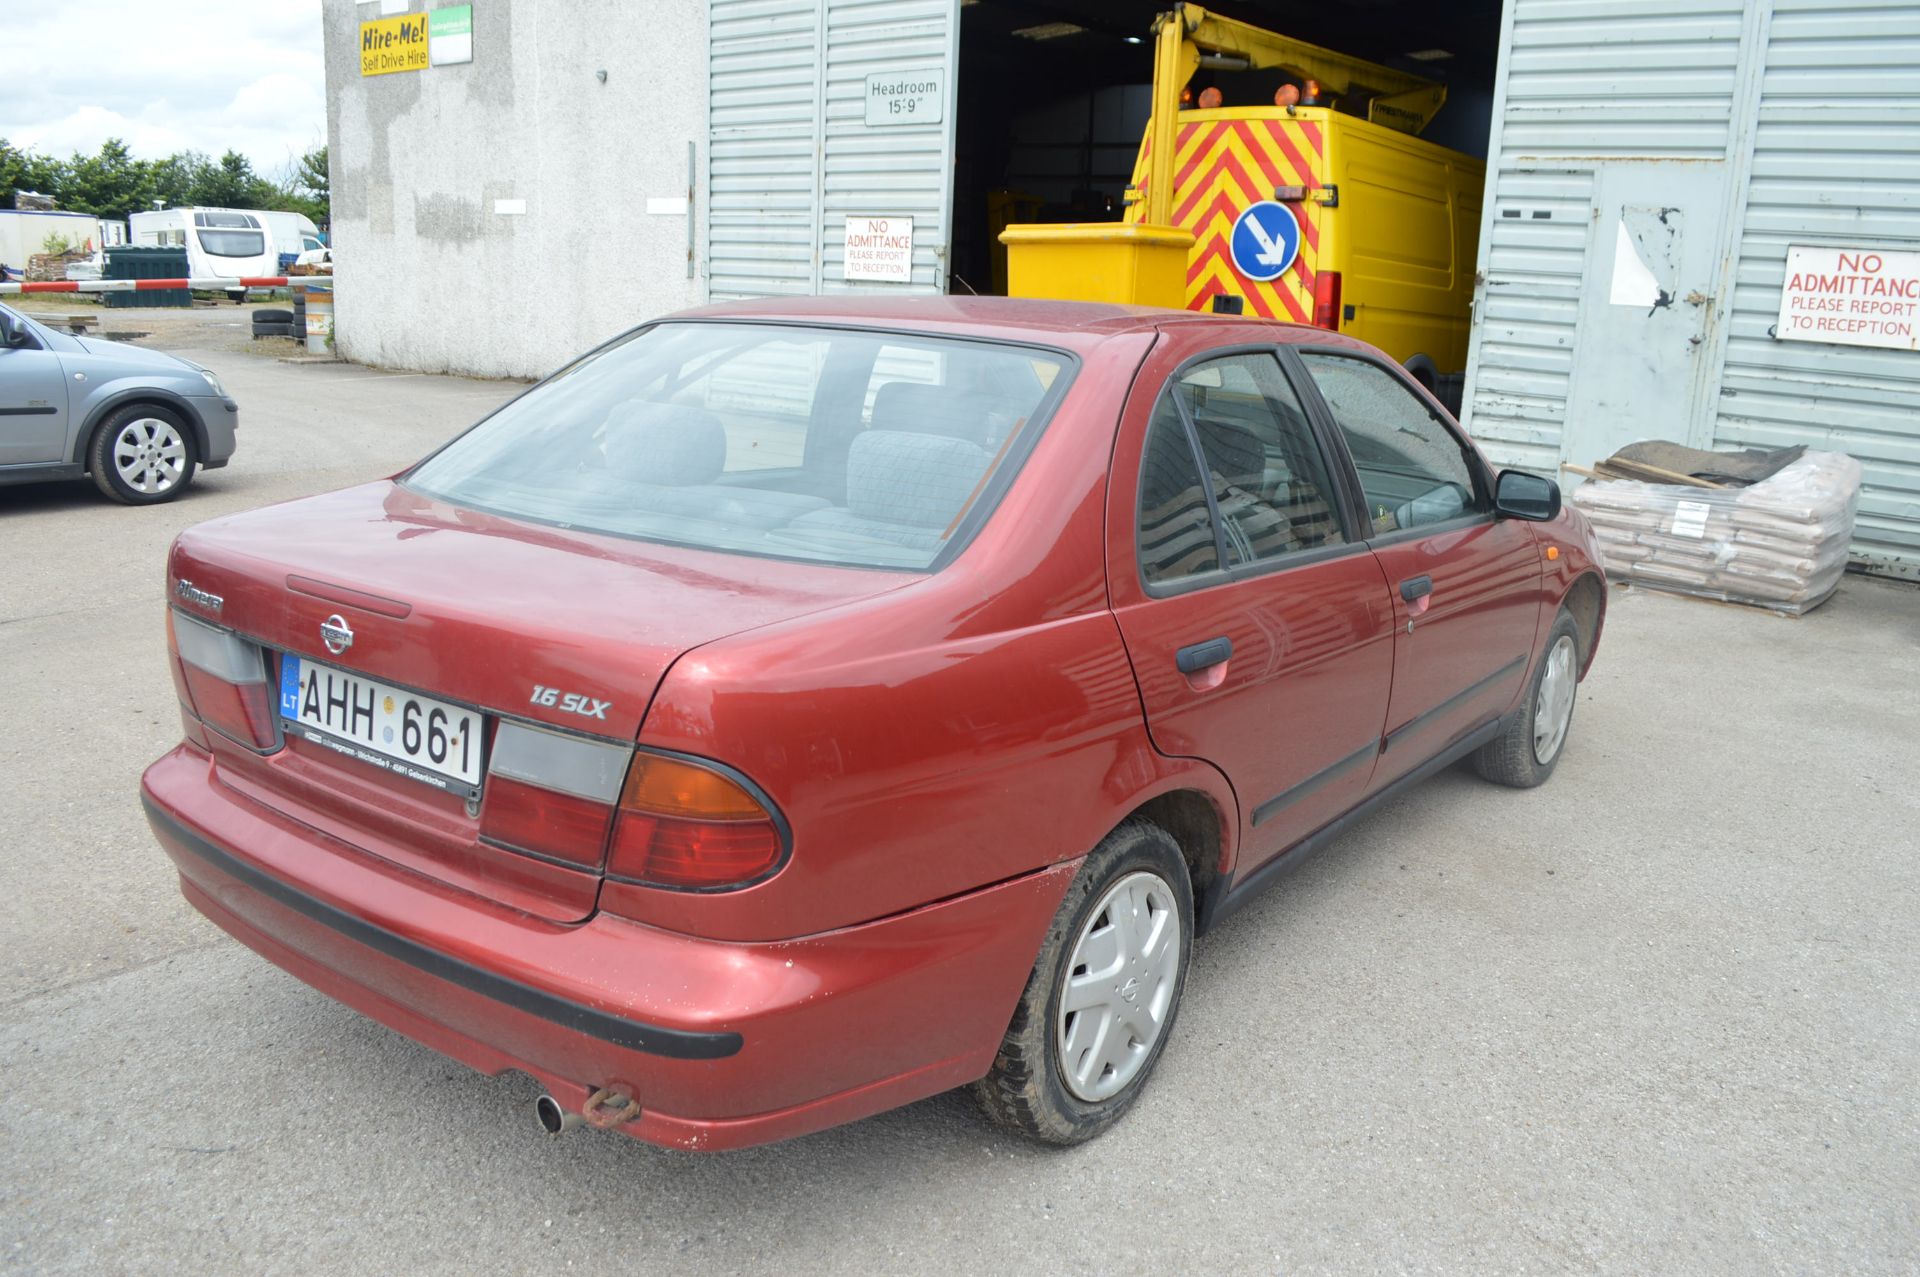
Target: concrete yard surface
column 1658, row 1016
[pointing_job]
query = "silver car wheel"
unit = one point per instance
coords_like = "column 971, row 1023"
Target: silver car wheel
column 1553, row 702
column 150, row 455
column 1119, row 986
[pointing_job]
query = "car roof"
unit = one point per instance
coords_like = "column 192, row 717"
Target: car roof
column 1014, row 318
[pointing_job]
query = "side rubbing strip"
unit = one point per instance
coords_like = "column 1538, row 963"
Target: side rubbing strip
column 679, row 1044
column 1274, row 806
column 1465, row 693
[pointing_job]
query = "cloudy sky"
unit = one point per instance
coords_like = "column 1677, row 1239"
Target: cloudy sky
column 164, row 76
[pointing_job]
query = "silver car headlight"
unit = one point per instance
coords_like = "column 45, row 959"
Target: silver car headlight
column 212, row 380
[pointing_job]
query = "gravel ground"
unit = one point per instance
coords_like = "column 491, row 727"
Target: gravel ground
column 204, row 326
column 1658, row 1016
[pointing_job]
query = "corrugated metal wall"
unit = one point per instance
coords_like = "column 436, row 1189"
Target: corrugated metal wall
column 1836, row 162
column 1581, row 81
column 791, row 157
column 762, row 112
column 1811, row 110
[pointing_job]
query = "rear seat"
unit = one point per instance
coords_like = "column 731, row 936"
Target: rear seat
column 664, row 458
column 903, row 488
column 915, row 408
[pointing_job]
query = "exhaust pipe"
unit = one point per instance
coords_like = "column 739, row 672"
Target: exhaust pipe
column 555, row 1120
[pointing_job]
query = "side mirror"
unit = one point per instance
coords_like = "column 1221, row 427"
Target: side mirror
column 1520, row 495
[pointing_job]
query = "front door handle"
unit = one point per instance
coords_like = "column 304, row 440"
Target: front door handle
column 1416, row 587
column 1195, row 657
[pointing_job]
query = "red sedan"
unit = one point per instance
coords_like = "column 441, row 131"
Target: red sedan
column 790, row 710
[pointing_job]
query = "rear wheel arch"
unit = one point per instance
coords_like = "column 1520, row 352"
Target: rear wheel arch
column 1194, row 821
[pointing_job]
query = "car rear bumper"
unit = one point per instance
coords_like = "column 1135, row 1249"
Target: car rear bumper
column 721, row 1044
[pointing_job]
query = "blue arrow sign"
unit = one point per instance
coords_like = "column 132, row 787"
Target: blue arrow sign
column 1265, row 241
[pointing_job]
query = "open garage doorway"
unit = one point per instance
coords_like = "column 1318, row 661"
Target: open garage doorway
column 1054, row 96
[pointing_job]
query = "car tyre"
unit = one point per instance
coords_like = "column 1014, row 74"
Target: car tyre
column 1529, row 747
column 142, row 454
column 1120, row 941
column 272, row 315
column 272, row 330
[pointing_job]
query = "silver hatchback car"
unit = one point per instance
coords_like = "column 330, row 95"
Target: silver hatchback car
column 139, row 421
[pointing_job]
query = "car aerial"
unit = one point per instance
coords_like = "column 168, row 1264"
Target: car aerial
column 139, row 421
column 792, row 709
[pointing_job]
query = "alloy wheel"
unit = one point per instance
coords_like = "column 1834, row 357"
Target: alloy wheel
column 149, row 455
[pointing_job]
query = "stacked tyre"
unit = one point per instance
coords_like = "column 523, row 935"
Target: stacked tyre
column 272, row 322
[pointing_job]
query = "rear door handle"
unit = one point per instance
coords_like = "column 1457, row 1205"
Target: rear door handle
column 1199, row 656
column 1416, row 587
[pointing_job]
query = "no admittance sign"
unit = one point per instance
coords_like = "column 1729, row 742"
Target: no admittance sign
column 879, row 248
column 1852, row 297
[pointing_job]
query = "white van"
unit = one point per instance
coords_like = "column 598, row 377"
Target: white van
column 221, row 243
column 291, row 233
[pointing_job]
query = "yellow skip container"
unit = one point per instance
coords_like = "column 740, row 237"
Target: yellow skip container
column 1126, row 262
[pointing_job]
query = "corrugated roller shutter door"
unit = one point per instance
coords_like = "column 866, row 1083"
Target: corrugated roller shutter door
column 896, row 170
column 1836, row 163
column 790, row 155
column 762, row 104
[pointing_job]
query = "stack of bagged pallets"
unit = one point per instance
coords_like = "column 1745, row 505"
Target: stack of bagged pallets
column 1780, row 543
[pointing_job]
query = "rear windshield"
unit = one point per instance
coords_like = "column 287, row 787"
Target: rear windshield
column 838, row 445
column 233, row 243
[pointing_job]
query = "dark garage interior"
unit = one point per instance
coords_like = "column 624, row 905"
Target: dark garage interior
column 1054, row 96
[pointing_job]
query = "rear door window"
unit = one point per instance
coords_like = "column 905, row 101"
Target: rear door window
column 1266, row 491
column 1414, row 471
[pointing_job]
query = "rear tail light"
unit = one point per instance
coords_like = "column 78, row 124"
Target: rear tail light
column 671, row 821
column 1326, row 300
column 551, row 795
column 222, row 680
column 692, row 826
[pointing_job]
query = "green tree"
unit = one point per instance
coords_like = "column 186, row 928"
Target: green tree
column 109, row 184
column 310, row 175
column 230, row 183
column 28, row 171
column 173, row 180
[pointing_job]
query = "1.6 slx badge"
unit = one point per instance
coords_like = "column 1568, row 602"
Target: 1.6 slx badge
column 571, row 702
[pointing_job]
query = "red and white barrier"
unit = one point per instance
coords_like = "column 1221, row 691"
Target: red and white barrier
column 215, row 284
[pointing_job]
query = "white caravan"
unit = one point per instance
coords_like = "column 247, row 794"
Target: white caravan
column 221, row 243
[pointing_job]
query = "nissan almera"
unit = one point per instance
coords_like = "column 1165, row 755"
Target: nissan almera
column 790, row 710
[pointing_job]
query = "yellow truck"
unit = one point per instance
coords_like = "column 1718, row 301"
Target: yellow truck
column 1314, row 214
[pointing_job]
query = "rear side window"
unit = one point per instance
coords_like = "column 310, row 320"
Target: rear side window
column 1413, row 470
column 1175, row 528
column 1266, row 491
column 838, row 445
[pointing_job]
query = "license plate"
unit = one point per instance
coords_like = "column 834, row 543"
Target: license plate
column 387, row 727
